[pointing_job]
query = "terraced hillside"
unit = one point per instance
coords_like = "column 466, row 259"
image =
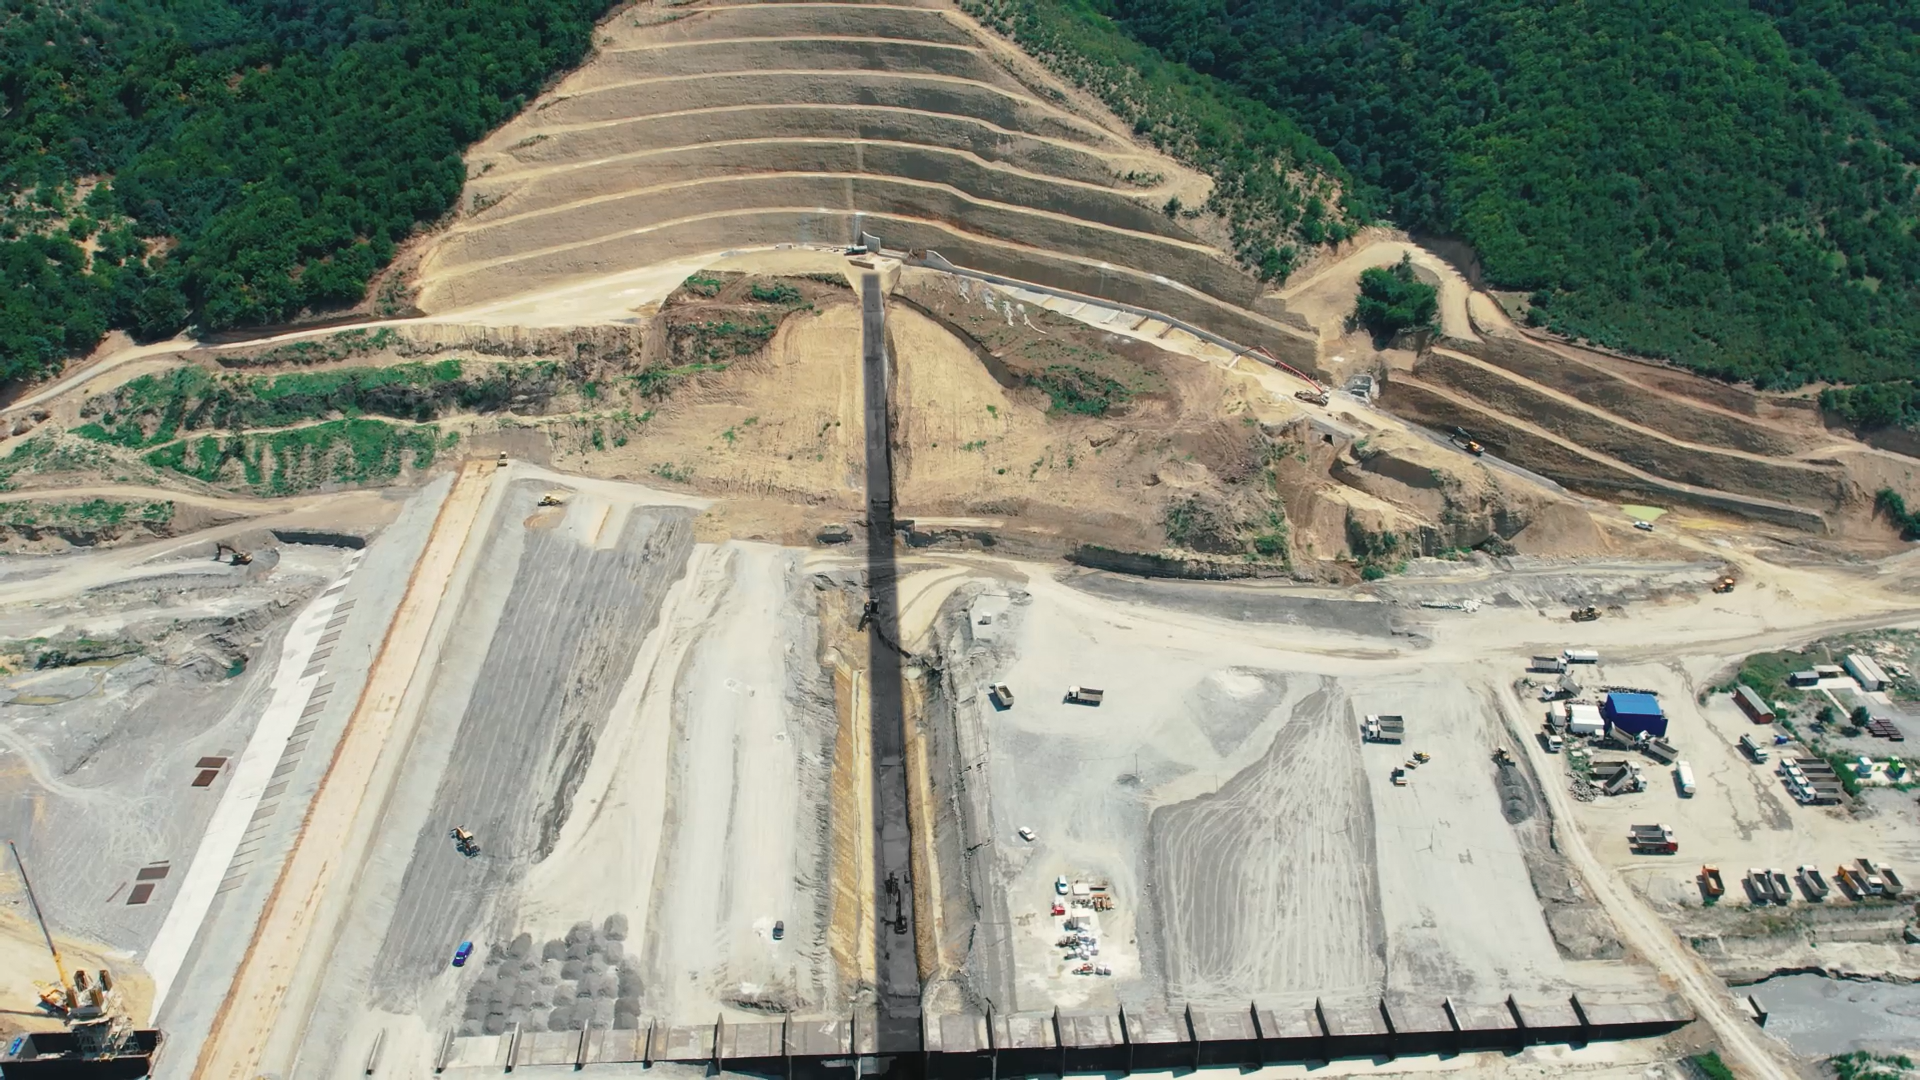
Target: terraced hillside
column 720, row 125
column 1585, row 423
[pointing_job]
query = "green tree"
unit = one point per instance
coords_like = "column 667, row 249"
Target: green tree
column 1392, row 300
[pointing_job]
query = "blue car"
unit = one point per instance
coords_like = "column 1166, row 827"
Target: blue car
column 460, row 954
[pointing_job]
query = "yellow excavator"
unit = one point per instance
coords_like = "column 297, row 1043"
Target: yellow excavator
column 238, row 557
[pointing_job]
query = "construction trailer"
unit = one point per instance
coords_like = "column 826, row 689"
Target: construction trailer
column 1753, row 704
column 1584, row 719
column 1805, row 678
column 1637, row 714
column 1865, row 671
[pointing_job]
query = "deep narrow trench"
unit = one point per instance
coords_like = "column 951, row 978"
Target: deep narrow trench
column 897, row 1005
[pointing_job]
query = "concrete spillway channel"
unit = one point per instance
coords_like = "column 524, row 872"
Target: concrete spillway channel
column 898, row 1030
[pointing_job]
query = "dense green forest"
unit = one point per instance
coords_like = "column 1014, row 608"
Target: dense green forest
column 1728, row 185
column 1392, row 301
column 234, row 162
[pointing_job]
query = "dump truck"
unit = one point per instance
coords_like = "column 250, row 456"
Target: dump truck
column 1548, row 664
column 1890, row 879
column 1711, row 880
column 1753, row 748
column 1814, row 882
column 1581, row 656
column 1782, row 892
column 1759, row 886
column 1652, row 839
column 1869, row 876
column 1002, row 697
column 1085, row 695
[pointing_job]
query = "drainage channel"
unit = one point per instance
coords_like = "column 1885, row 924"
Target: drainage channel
column 897, row 1027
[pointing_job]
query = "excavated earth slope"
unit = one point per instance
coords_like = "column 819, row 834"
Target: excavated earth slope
column 715, row 126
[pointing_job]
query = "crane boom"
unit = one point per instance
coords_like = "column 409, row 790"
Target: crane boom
column 58, row 964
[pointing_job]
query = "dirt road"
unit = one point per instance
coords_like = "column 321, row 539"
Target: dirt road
column 1643, row 930
column 247, row 1020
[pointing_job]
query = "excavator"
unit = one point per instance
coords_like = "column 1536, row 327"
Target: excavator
column 238, row 557
column 1586, row 614
column 463, row 841
column 1466, row 442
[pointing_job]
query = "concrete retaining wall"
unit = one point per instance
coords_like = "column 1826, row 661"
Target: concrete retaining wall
column 963, row 133
column 966, row 1045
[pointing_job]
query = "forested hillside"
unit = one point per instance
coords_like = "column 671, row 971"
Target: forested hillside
column 229, row 162
column 1725, row 184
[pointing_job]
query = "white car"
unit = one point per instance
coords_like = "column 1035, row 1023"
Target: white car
column 1026, row 834
column 1643, row 526
column 1060, row 886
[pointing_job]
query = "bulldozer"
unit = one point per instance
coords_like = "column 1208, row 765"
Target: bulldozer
column 237, row 557
column 1585, row 614
column 463, row 842
column 1724, row 585
column 1502, row 756
column 1313, row 397
column 550, row 499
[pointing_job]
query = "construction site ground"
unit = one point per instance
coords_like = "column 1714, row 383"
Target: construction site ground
column 651, row 700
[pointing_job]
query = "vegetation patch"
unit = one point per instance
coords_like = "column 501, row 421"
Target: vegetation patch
column 1862, row 1065
column 1888, row 501
column 1078, row 391
column 1393, row 301
column 155, row 409
column 92, row 514
column 338, row 452
column 344, row 345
